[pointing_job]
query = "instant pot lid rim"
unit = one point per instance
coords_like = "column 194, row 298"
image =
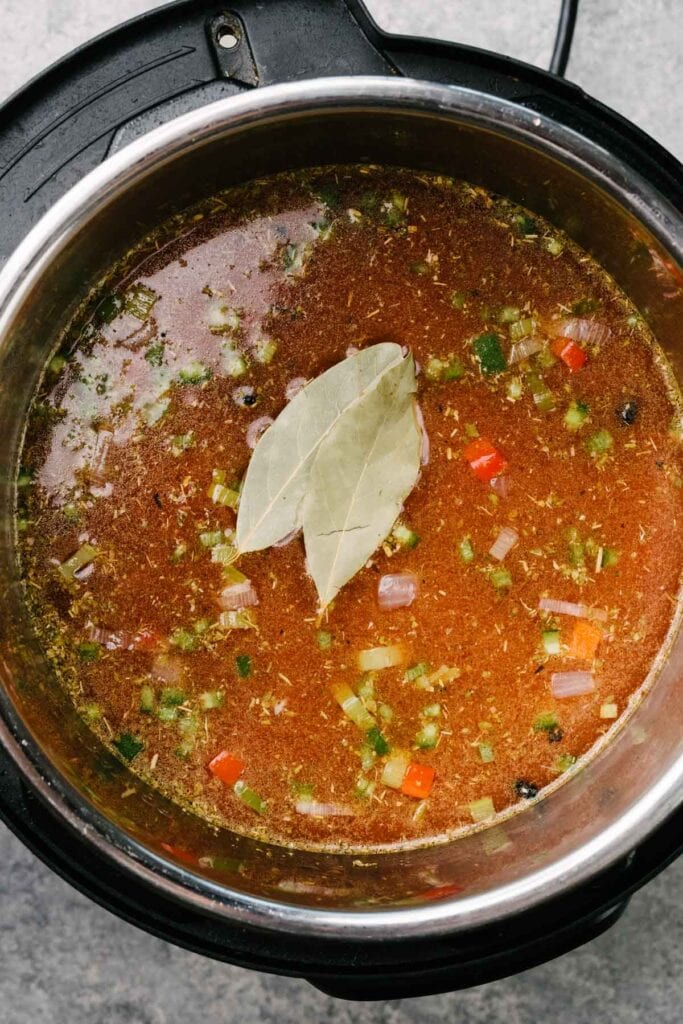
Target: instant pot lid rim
column 59, row 226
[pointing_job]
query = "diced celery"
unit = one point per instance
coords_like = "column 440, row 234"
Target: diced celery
column 323, row 638
column 509, row 314
column 554, row 246
column 563, row 762
column 179, row 552
column 482, row 809
column 222, row 495
column 211, row 699
column 609, row 558
column 364, row 787
column 242, row 619
column 168, row 714
column 466, row 550
column 576, row 414
column 432, row 711
column 551, row 641
column 376, row 658
column 250, row 797
column 210, row 538
column 609, row 710
column 265, row 350
column 500, row 578
column 458, row 300
column 352, row 706
column 599, row 443
column 366, row 687
column 84, row 556
column 172, row 696
column 385, row 712
column 223, row 554
column 395, row 769
column 139, row 301
column 89, row 650
column 194, row 373
column 184, row 639
column 521, row 329
column 486, row 752
column 415, row 671
column 544, row 400
column 545, row 722
column 404, row 536
column 231, row 574
column 514, row 389
column 428, row 736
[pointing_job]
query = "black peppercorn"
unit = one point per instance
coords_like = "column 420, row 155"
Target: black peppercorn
column 526, row 789
column 250, row 399
column 628, row 412
column 555, row 734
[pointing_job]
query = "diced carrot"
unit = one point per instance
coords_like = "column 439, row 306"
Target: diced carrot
column 485, row 460
column 570, row 353
column 226, row 767
column 442, row 892
column 184, row 855
column 585, row 640
column 147, row 640
column 418, row 781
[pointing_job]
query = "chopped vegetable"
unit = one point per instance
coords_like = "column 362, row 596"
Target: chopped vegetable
column 546, row 722
column 544, row 399
column 607, row 558
column 523, row 349
column 395, row 769
column 485, row 461
column 89, row 650
column 225, row 554
column 571, row 684
column 227, row 767
column 378, row 742
column 243, row 665
column 264, row 351
column 128, row 746
column 586, row 332
column 404, row 536
column 504, row 543
column 500, row 578
column 376, row 658
column 599, row 443
column 211, row 699
column 431, row 711
column 211, row 538
column 564, row 762
column 482, row 809
column 194, row 373
column 609, row 710
column 489, row 354
column 466, row 550
column 509, row 314
column 418, row 781
column 86, row 554
column 172, row 696
column 323, row 638
column 353, row 706
column 222, row 495
column 415, row 671
column 579, row 611
column 396, row 590
column 486, row 752
column 428, row 736
column 551, row 641
column 147, row 699
column 525, row 225
column 571, row 354
column 250, row 797
column 232, row 574
column 576, row 415
column 585, row 640
column 139, row 301
column 324, row 810
column 514, row 389
column 241, row 619
column 438, row 679
column 444, row 370
column 522, row 329
column 184, row 640
column 237, row 596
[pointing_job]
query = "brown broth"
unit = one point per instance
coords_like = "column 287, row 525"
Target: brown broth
column 120, row 452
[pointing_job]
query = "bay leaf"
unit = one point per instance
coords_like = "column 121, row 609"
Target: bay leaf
column 277, row 477
column 362, row 473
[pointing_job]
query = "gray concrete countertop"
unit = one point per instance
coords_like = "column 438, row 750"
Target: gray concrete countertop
column 65, row 961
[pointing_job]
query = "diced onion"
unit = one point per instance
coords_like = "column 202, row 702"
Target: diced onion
column 395, row 769
column 238, row 595
column 482, row 809
column 257, row 429
column 396, row 590
column 119, row 641
column 320, row 810
column 580, row 611
column 500, row 485
column 373, row 659
column 167, row 668
column 294, row 387
column 587, row 331
column 424, row 446
column 571, row 684
column 523, row 349
column 504, row 542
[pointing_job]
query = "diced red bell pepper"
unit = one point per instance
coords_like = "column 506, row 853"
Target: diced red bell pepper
column 485, row 460
column 570, row 353
column 442, row 892
column 418, row 781
column 226, row 767
column 184, row 855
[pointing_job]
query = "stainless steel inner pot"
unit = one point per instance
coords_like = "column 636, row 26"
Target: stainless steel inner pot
column 591, row 822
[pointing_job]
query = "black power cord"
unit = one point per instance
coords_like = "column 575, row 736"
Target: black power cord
column 564, row 37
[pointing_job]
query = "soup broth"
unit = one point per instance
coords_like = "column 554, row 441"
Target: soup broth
column 511, row 615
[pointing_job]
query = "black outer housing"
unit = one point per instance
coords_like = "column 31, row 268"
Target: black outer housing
column 63, row 124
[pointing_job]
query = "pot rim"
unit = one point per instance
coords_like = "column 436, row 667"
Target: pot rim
column 24, row 268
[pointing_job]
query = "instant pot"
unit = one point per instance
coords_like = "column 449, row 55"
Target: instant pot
column 143, row 121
